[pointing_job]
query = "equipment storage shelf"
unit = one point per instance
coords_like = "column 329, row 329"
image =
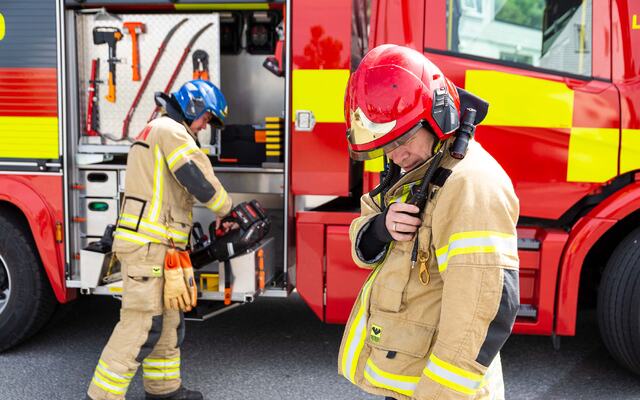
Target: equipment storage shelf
column 119, row 54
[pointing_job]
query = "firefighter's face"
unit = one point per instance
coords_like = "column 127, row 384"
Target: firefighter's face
column 413, row 153
column 200, row 123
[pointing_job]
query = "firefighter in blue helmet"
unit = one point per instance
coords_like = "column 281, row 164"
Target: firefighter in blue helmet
column 166, row 171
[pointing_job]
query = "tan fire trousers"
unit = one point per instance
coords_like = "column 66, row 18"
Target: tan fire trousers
column 146, row 334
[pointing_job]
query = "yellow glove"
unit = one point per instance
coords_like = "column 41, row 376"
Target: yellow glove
column 189, row 279
column 176, row 295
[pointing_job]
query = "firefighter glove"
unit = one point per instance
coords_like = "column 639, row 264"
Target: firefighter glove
column 176, row 294
column 189, row 279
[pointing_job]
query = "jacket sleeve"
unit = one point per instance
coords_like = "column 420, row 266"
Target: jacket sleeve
column 193, row 170
column 475, row 244
column 359, row 226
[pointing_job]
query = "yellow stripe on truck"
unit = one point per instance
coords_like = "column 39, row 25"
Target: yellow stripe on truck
column 521, row 100
column 29, row 137
column 320, row 91
column 593, row 155
column 630, row 150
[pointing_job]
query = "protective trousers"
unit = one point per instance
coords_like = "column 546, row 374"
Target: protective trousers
column 146, row 333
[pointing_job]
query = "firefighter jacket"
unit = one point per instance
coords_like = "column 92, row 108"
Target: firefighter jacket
column 434, row 330
column 166, row 170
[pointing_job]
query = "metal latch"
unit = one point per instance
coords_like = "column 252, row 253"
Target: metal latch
column 305, row 120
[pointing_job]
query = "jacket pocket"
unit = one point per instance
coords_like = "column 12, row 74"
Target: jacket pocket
column 391, row 282
column 179, row 225
column 398, row 353
column 132, row 211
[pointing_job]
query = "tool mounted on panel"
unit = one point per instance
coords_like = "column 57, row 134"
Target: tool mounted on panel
column 93, row 117
column 200, row 65
column 178, row 68
column 110, row 36
column 145, row 82
column 135, row 29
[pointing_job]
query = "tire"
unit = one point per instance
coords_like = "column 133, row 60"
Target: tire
column 619, row 303
column 26, row 298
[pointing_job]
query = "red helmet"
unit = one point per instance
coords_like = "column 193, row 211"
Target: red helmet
column 394, row 92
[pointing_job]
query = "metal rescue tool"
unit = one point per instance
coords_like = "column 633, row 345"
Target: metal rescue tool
column 109, row 35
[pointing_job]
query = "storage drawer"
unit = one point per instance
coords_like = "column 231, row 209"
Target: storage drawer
column 98, row 213
column 100, row 183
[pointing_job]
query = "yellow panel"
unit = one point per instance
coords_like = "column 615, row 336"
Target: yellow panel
column 517, row 100
column 375, row 165
column 222, row 6
column 593, row 154
column 630, row 150
column 29, row 137
column 320, row 91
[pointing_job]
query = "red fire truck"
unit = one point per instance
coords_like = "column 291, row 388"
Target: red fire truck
column 562, row 78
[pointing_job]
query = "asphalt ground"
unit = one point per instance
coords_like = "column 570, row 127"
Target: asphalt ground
column 277, row 349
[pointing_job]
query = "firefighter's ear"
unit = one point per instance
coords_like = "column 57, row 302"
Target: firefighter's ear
column 469, row 100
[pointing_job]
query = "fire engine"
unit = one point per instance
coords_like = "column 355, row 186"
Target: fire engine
column 562, row 78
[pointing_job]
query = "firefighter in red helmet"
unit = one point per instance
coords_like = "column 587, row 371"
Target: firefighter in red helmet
column 438, row 233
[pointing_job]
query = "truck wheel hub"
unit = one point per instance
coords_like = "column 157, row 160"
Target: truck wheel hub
column 5, row 285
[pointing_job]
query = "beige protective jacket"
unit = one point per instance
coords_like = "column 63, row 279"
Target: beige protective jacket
column 436, row 333
column 166, row 170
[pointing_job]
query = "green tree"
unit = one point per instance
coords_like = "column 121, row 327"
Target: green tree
column 520, row 12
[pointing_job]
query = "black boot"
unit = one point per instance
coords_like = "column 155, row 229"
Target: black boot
column 180, row 394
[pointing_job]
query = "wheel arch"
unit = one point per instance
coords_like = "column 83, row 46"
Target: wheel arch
column 591, row 241
column 20, row 203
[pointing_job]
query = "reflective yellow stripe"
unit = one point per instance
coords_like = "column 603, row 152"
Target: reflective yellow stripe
column 180, row 152
column 321, row 91
column 593, row 154
column 219, row 202
column 158, row 172
column 221, row 6
column 403, row 384
column 107, row 387
column 104, row 370
column 29, row 137
column 452, row 376
column 538, row 102
column 155, row 229
column 630, row 150
column 273, row 139
column 357, row 331
column 273, row 153
column 135, row 237
column 161, row 362
column 476, row 242
column 273, row 146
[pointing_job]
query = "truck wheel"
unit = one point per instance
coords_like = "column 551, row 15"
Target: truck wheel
column 619, row 303
column 26, row 298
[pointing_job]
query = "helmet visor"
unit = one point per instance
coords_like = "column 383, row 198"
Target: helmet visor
column 386, row 148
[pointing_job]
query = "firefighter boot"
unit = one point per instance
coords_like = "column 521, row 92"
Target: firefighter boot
column 181, row 394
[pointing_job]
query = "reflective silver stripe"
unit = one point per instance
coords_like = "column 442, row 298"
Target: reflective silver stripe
column 180, row 152
column 377, row 379
column 112, row 376
column 452, row 380
column 219, row 202
column 109, row 387
column 505, row 244
column 161, row 364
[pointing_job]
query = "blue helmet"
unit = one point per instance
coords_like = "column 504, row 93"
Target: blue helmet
column 197, row 97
